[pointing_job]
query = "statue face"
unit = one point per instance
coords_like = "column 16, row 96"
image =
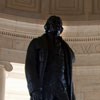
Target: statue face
column 56, row 29
column 54, row 25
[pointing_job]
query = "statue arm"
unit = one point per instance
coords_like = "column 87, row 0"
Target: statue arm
column 31, row 72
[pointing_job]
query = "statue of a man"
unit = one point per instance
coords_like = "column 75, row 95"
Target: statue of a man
column 48, row 66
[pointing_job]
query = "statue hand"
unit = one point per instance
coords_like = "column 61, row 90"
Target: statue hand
column 37, row 95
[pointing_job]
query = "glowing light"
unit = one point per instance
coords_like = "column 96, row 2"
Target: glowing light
column 16, row 86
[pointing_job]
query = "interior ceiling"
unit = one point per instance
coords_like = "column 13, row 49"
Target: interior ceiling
column 37, row 11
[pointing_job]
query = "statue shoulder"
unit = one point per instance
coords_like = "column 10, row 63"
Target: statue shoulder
column 39, row 42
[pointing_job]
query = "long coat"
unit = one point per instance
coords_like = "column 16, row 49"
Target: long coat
column 36, row 60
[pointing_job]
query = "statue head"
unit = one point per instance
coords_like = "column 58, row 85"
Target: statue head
column 53, row 25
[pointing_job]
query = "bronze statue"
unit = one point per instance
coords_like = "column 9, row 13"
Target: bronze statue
column 48, row 66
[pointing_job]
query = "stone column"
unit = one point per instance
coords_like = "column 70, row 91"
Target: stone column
column 4, row 66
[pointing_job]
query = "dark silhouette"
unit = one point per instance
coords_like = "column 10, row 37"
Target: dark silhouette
column 48, row 65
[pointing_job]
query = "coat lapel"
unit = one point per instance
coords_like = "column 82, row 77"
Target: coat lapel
column 43, row 55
